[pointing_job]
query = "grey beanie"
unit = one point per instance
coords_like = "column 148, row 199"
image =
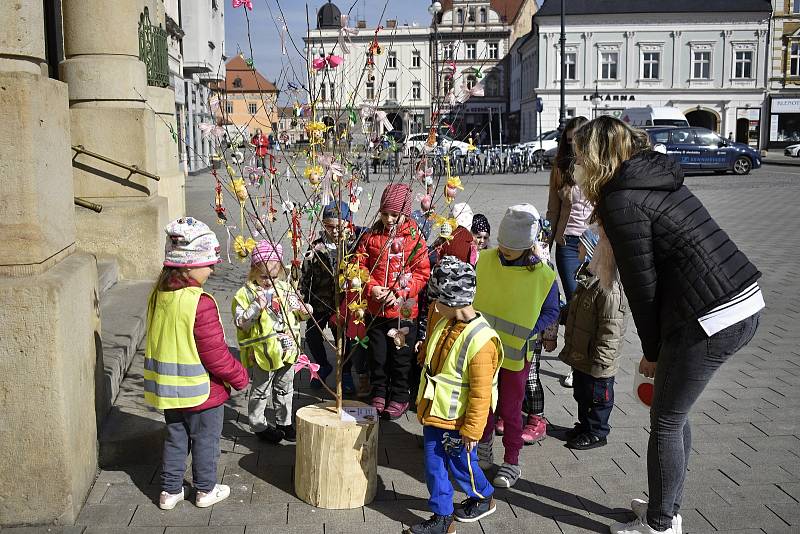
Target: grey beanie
column 452, row 282
column 519, row 227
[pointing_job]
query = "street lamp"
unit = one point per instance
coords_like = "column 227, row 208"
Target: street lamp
column 595, row 99
column 562, row 111
column 434, row 9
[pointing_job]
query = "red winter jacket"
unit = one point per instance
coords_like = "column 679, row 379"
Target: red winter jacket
column 404, row 264
column 222, row 367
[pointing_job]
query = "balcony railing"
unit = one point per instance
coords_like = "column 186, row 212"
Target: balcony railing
column 153, row 51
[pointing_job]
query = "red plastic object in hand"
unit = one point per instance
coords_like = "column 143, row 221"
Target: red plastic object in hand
column 645, row 393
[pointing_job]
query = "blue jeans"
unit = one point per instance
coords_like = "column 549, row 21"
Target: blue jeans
column 595, row 398
column 444, row 452
column 567, row 264
column 199, row 431
column 686, row 362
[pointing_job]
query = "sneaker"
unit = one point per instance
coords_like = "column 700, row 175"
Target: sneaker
column 474, row 509
column 574, row 432
column 395, row 410
column 289, row 433
column 437, row 524
column 219, row 493
column 639, row 507
column 348, row 387
column 498, row 427
column 637, row 526
column 270, row 435
column 566, row 380
column 362, row 386
column 585, row 442
column 167, row 501
column 535, row 429
column 485, row 455
column 507, row 475
column 379, row 403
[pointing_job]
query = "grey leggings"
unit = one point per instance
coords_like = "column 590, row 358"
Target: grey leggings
column 687, row 361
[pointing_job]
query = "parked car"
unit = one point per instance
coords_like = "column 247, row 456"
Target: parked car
column 414, row 144
column 701, row 149
column 792, row 150
column 545, row 143
column 654, row 116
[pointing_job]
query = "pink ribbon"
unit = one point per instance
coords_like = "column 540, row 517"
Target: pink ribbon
column 304, row 363
column 246, row 3
column 211, row 130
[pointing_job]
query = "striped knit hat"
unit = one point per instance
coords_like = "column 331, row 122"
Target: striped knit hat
column 397, row 197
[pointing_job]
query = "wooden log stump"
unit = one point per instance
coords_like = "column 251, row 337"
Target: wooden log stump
column 336, row 461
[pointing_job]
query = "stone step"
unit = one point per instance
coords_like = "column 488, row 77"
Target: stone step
column 132, row 432
column 107, row 275
column 123, row 313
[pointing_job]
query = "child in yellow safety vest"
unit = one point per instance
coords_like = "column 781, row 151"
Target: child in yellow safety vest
column 457, row 387
column 518, row 294
column 267, row 312
column 188, row 370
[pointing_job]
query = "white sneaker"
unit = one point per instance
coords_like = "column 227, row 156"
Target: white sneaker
column 566, row 380
column 507, row 475
column 167, row 501
column 485, row 455
column 637, row 526
column 639, row 507
column 219, row 493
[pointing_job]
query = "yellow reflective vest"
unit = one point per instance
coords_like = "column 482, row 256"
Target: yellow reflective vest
column 510, row 298
column 260, row 344
column 174, row 376
column 448, row 390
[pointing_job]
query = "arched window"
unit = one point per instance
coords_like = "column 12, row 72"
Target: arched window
column 471, row 15
column 483, row 15
column 237, row 82
column 447, row 83
column 471, row 81
column 492, row 85
column 460, row 16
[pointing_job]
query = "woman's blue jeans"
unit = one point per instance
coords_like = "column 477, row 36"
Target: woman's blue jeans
column 567, row 264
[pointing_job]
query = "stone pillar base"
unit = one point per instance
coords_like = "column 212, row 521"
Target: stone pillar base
column 173, row 188
column 48, row 434
column 128, row 230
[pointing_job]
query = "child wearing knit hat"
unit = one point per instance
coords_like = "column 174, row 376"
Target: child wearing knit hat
column 267, row 312
column 518, row 295
column 188, row 370
column 395, row 254
column 481, row 230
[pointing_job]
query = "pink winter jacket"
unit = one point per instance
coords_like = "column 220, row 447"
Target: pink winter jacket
column 214, row 354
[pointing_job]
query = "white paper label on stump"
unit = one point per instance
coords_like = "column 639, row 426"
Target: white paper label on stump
column 366, row 414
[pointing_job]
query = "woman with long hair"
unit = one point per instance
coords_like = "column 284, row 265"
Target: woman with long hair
column 568, row 212
column 693, row 294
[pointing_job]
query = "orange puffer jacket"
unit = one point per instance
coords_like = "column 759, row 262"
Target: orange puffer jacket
column 481, row 372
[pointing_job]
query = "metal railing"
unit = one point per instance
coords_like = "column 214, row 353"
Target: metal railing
column 82, row 202
column 153, row 51
column 132, row 169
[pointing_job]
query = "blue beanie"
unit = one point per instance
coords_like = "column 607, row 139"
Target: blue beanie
column 589, row 239
column 338, row 209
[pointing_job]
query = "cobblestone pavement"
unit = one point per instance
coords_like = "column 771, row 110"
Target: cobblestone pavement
column 744, row 473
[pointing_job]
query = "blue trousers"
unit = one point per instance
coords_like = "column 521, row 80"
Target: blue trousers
column 198, row 432
column 444, row 452
column 567, row 263
column 595, row 398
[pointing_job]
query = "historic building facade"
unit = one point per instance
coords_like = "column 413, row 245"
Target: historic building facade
column 783, row 105
column 708, row 59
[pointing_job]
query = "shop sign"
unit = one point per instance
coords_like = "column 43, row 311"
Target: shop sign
column 785, row 105
column 752, row 114
column 612, row 98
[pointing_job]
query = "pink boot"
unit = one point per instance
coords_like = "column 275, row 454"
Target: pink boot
column 535, row 429
column 498, row 426
column 379, row 403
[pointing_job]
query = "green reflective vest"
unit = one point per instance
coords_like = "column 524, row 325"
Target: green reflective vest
column 260, row 344
column 510, row 298
column 448, row 390
column 174, row 376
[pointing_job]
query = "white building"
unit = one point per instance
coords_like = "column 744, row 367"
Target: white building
column 708, row 59
column 203, row 63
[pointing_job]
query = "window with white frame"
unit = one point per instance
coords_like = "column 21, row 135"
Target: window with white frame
column 471, row 81
column 332, row 95
column 460, row 16
column 447, row 50
column 493, row 50
column 416, row 59
column 322, row 93
column 228, row 107
column 252, row 109
column 471, row 15
column 570, row 66
column 701, row 64
column 795, row 6
column 483, row 15
column 794, row 58
column 391, row 60
column 416, row 91
column 651, row 65
column 370, row 90
column 471, row 49
column 447, row 83
column 392, row 90
column 609, row 65
column 492, row 85
column 743, row 64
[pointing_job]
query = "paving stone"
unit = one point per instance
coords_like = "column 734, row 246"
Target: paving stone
column 205, row 530
column 305, row 514
column 130, row 493
column 503, row 521
column 570, row 524
column 754, row 494
column 761, row 474
column 791, row 488
column 184, row 514
column 779, row 428
column 733, row 517
column 106, row 515
column 124, row 530
column 227, row 513
column 44, row 530
column 788, row 512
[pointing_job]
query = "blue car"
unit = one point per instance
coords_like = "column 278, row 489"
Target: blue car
column 701, row 149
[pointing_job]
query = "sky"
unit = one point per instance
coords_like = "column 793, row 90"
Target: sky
column 265, row 37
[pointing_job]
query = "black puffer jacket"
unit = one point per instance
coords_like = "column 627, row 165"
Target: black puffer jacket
column 675, row 262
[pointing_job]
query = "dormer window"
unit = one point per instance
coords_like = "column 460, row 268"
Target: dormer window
column 237, row 82
column 483, row 15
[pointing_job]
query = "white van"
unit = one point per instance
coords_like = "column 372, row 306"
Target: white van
column 654, row 116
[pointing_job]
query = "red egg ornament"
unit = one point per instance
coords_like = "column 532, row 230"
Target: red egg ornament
column 397, row 246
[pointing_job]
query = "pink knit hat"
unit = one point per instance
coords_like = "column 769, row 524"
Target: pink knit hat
column 397, row 197
column 266, row 251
